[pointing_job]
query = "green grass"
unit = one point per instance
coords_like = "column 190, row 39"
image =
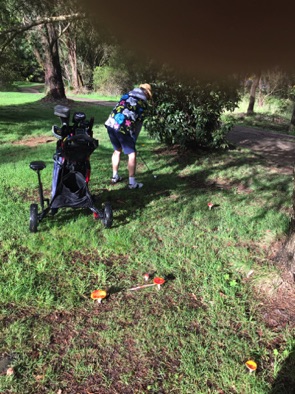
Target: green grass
column 192, row 336
column 274, row 115
column 95, row 96
column 16, row 98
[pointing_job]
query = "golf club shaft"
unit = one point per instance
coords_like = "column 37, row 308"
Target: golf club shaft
column 142, row 286
column 144, row 162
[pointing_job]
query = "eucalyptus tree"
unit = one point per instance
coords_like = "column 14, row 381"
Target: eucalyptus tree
column 9, row 58
column 42, row 23
column 253, row 88
column 82, row 48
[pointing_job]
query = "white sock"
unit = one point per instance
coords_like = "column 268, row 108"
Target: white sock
column 115, row 174
column 132, row 180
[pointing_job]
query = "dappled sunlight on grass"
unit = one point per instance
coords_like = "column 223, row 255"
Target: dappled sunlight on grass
column 195, row 334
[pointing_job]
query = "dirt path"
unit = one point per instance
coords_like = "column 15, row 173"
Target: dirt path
column 278, row 149
column 278, row 307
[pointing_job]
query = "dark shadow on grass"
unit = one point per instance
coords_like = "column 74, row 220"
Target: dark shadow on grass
column 115, row 290
column 130, row 203
column 13, row 154
column 38, row 115
column 285, row 381
column 170, row 277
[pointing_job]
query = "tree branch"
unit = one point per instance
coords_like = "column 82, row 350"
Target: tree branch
column 20, row 29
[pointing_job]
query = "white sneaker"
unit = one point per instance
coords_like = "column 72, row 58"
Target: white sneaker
column 116, row 180
column 135, row 185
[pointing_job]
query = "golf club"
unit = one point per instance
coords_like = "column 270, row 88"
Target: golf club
column 155, row 176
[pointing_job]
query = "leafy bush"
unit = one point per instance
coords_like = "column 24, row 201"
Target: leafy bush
column 189, row 114
column 110, row 81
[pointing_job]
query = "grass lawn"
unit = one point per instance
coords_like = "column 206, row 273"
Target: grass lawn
column 194, row 335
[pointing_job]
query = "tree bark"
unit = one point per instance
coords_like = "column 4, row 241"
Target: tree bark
column 260, row 93
column 54, row 85
column 10, row 34
column 292, row 122
column 255, row 84
column 72, row 57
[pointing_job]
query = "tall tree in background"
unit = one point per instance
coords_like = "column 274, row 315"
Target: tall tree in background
column 292, row 121
column 41, row 18
column 49, row 34
column 291, row 96
column 82, row 48
column 52, row 69
column 73, row 74
column 66, row 46
column 253, row 88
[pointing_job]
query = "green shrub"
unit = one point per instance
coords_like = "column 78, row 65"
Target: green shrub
column 110, row 81
column 190, row 114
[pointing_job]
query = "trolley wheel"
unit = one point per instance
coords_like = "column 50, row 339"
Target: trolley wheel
column 33, row 218
column 107, row 215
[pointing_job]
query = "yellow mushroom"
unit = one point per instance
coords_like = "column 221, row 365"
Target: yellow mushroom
column 98, row 295
column 251, row 365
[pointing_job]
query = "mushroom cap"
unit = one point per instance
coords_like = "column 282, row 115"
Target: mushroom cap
column 210, row 204
column 251, row 365
column 98, row 294
column 158, row 280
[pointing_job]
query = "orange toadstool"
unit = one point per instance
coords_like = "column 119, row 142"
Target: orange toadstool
column 98, row 295
column 210, row 205
column 251, row 365
column 159, row 281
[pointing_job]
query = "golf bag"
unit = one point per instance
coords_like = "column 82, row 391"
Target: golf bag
column 71, row 170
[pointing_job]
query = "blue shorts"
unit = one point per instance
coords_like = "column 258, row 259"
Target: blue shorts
column 122, row 141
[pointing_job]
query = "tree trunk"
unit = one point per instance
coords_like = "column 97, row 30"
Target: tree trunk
column 255, row 84
column 292, row 122
column 73, row 72
column 54, row 85
column 38, row 57
column 260, row 94
column 72, row 56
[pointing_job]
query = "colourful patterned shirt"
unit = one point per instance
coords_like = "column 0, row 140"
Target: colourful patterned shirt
column 128, row 112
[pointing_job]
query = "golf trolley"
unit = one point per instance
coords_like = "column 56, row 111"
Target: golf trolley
column 71, row 170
